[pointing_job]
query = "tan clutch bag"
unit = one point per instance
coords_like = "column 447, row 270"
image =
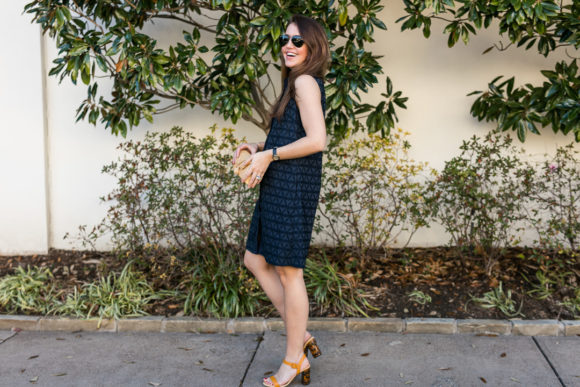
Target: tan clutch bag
column 243, row 156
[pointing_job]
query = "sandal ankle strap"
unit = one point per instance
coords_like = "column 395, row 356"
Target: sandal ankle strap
column 296, row 366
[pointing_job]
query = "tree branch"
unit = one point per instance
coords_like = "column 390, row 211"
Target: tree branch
column 191, row 22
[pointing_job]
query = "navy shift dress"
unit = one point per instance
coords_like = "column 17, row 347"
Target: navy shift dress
column 281, row 226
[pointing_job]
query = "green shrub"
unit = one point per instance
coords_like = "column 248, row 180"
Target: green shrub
column 175, row 190
column 480, row 196
column 555, row 211
column 370, row 192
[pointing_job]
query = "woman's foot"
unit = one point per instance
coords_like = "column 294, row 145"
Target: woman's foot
column 286, row 372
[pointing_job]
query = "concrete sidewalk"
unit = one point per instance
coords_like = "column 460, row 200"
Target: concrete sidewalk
column 52, row 358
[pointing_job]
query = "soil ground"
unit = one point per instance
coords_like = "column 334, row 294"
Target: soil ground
column 450, row 280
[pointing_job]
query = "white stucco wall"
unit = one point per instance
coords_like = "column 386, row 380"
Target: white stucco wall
column 23, row 215
column 434, row 77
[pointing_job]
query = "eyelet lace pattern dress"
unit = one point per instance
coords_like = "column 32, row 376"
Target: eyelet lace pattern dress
column 281, row 226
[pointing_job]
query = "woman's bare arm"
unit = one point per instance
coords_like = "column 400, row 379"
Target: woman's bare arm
column 308, row 101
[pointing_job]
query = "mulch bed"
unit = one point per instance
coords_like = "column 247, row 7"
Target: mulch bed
column 385, row 279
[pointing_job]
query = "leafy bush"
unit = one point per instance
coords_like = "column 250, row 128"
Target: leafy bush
column 176, row 190
column 480, row 196
column 28, row 290
column 220, row 286
column 370, row 192
column 555, row 213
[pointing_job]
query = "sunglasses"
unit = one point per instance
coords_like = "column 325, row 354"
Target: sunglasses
column 297, row 40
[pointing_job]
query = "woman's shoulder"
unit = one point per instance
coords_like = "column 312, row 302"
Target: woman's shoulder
column 307, row 78
column 307, row 83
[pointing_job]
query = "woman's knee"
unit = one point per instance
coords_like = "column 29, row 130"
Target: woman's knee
column 288, row 273
column 254, row 261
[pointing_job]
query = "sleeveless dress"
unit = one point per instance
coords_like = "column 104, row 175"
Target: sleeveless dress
column 281, row 226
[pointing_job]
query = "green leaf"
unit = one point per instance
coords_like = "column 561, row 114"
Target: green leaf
column 378, row 23
column 201, row 66
column 102, row 64
column 86, row 76
column 259, row 21
column 161, row 59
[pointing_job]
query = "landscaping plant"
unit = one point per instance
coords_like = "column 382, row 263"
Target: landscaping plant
column 333, row 291
column 496, row 298
column 480, row 196
column 28, row 291
column 219, row 286
column 371, row 193
column 555, row 211
column 177, row 191
column 115, row 296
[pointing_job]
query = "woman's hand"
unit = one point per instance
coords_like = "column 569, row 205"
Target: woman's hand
column 252, row 148
column 259, row 163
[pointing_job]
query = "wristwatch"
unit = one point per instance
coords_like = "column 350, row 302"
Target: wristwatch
column 275, row 156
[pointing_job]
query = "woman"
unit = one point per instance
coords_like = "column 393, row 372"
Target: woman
column 288, row 168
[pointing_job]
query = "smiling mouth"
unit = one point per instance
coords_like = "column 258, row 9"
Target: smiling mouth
column 291, row 55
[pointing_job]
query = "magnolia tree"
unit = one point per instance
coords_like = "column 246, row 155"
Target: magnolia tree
column 544, row 24
column 105, row 38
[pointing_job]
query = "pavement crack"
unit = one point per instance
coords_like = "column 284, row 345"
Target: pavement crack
column 14, row 333
column 259, row 339
column 548, row 360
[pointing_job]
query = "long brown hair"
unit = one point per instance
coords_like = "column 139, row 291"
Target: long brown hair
column 315, row 64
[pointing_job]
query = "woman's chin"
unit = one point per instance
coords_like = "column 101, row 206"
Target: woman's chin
column 290, row 63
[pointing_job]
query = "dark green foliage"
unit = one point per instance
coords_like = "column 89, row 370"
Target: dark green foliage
column 546, row 25
column 99, row 37
column 555, row 103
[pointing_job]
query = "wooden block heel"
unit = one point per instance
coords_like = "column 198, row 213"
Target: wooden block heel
column 306, row 376
column 311, row 346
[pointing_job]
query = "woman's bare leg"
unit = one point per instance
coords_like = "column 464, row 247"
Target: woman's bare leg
column 269, row 281
column 296, row 307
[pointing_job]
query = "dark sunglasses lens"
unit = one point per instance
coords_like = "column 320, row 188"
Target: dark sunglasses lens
column 284, row 40
column 297, row 41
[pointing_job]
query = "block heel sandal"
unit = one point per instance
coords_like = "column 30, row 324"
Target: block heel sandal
column 305, row 374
